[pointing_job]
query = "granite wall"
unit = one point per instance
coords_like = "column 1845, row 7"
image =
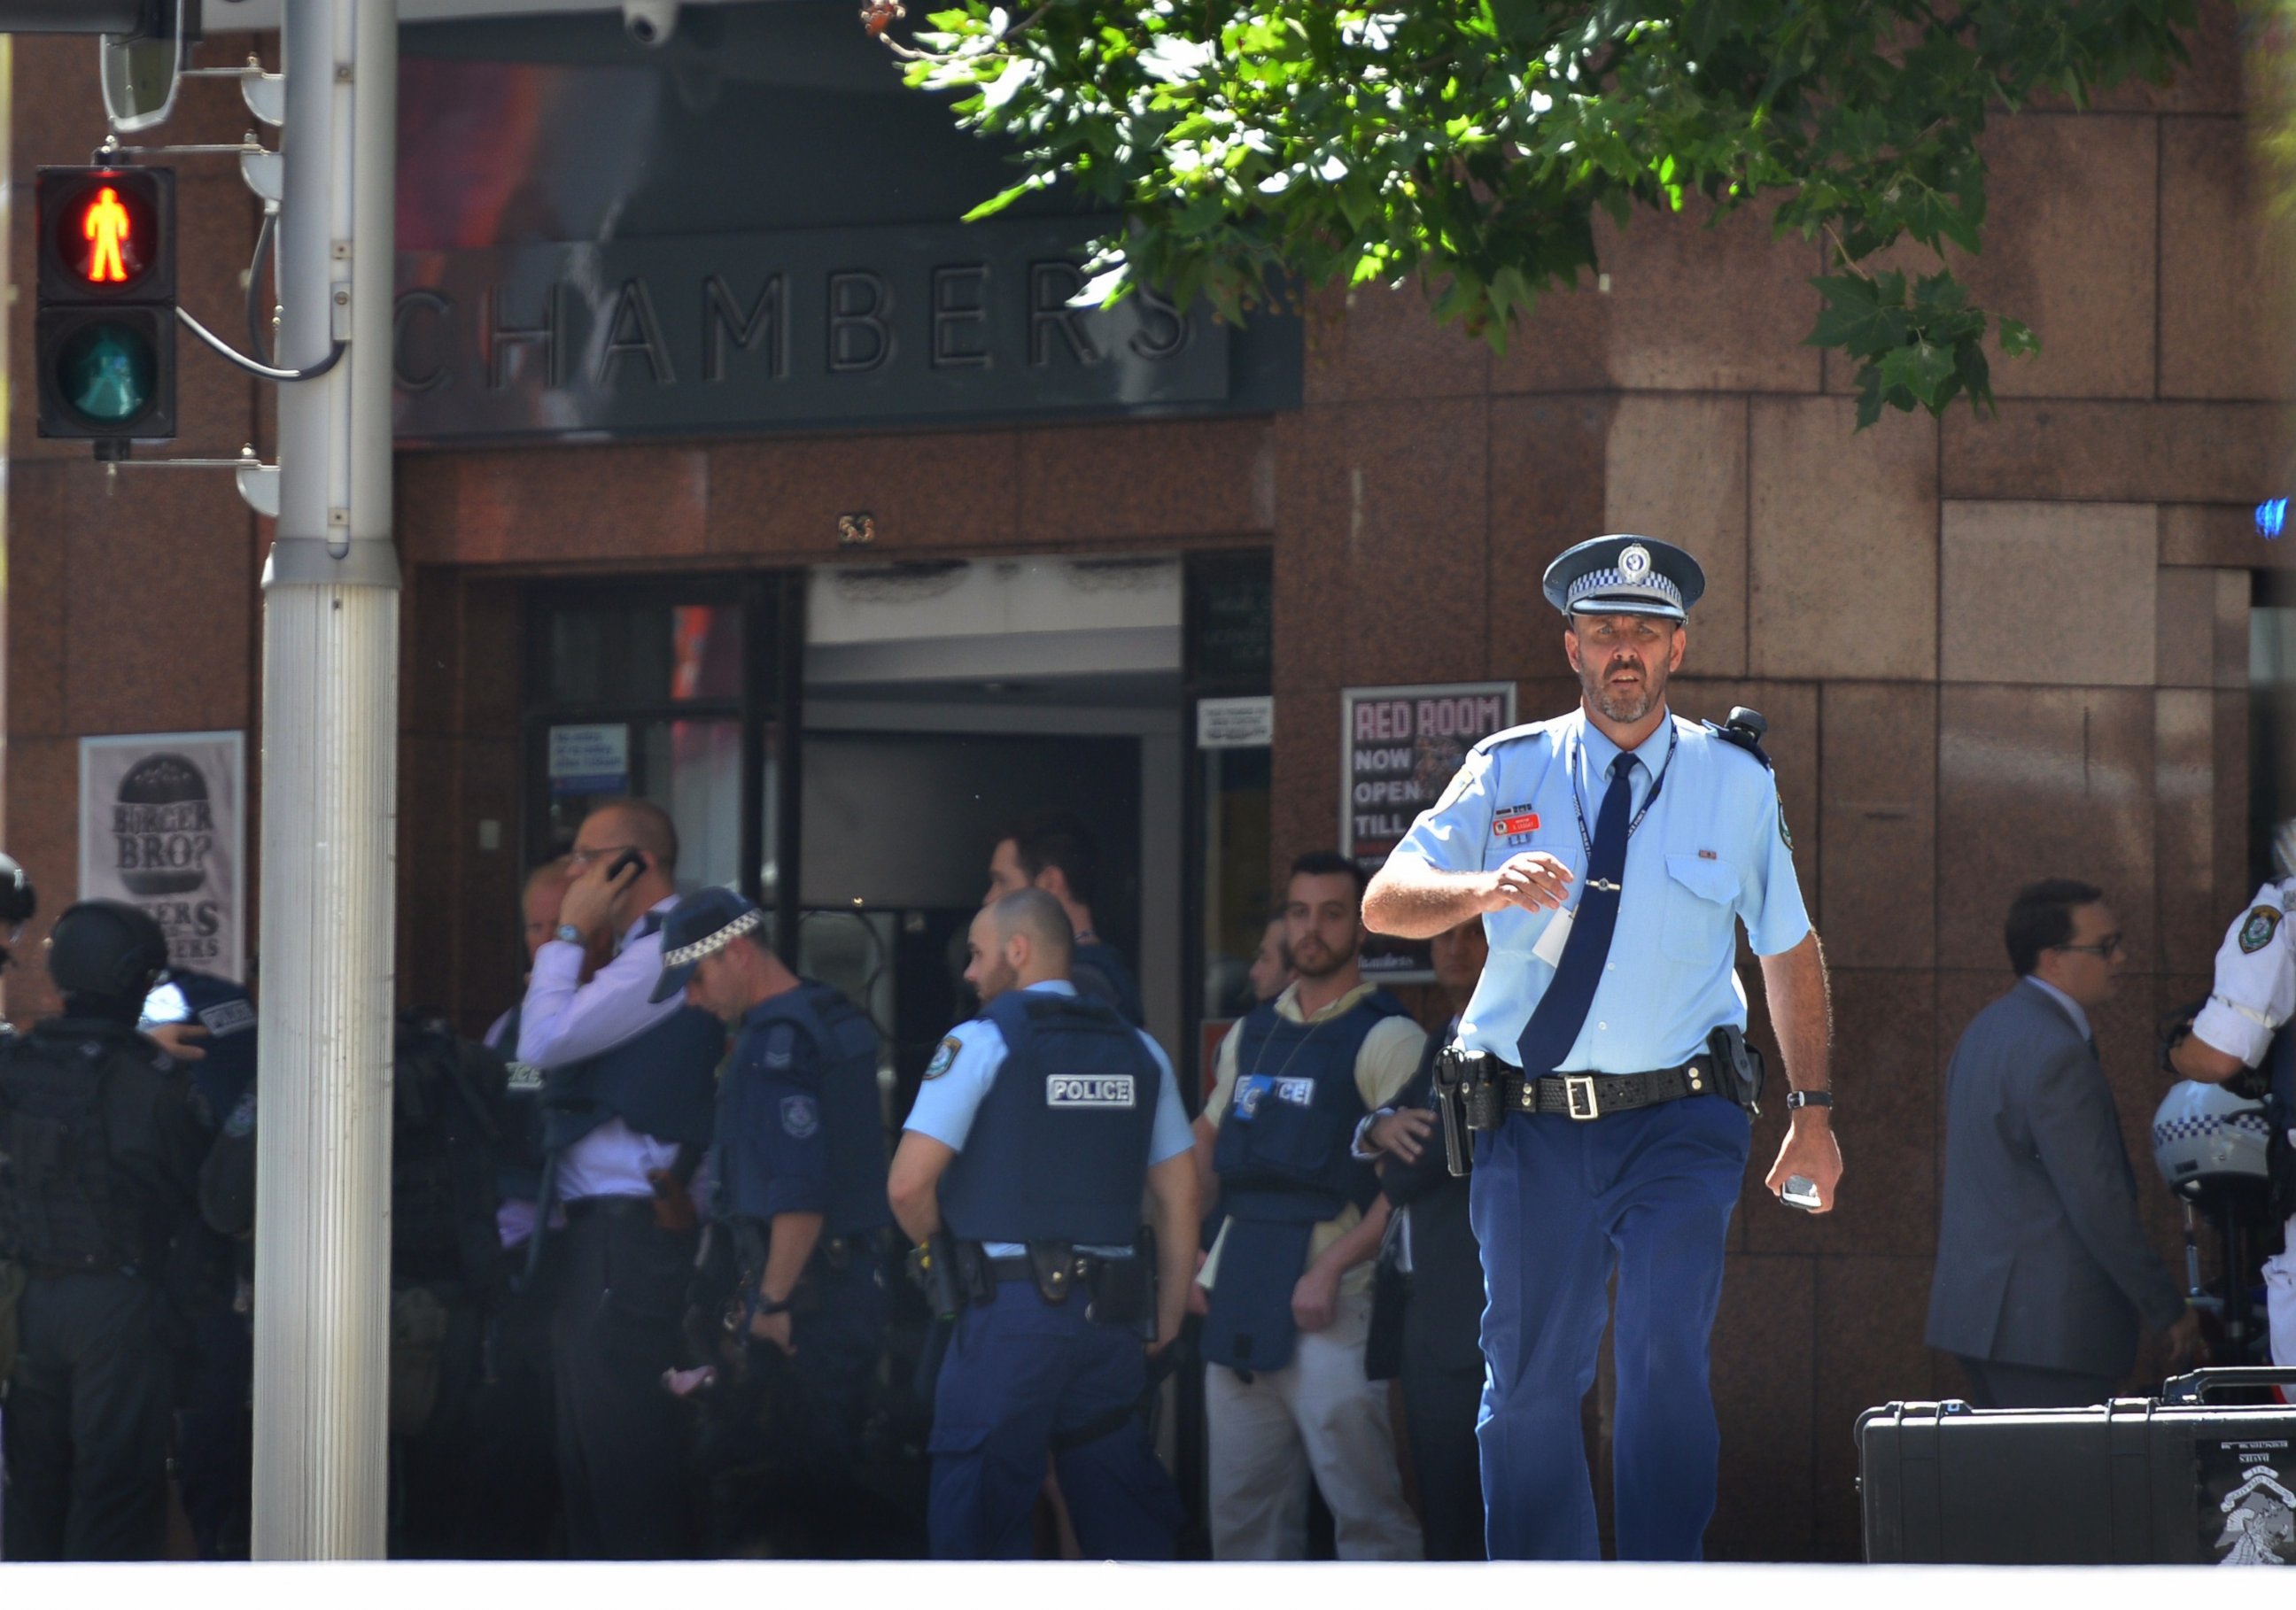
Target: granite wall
column 1989, row 650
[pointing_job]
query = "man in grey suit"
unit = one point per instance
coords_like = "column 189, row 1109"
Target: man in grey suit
column 2043, row 1271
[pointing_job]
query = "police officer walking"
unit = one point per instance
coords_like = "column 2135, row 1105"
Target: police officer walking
column 800, row 1171
column 1610, row 852
column 102, row 1135
column 1036, row 1129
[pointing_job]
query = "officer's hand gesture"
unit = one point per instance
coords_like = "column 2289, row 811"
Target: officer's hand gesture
column 180, row 1041
column 1403, row 1135
column 1316, row 1299
column 589, row 904
column 773, row 1328
column 1533, row 881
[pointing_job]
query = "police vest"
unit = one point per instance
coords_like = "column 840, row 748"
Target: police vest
column 518, row 1160
column 227, row 1012
column 1058, row 1150
column 663, row 1083
column 1096, row 964
column 62, row 1204
column 1283, row 1151
column 842, row 1042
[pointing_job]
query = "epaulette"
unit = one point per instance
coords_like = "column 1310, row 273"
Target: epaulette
column 1744, row 730
column 1509, row 734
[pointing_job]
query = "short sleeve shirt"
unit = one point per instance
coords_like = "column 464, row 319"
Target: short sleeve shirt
column 2254, row 991
column 957, row 1080
column 1712, row 851
column 773, row 1152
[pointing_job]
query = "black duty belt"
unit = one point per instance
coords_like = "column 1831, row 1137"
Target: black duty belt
column 1589, row 1096
column 611, row 1207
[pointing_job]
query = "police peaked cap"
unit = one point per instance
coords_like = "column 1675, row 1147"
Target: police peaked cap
column 106, row 948
column 1625, row 575
column 698, row 925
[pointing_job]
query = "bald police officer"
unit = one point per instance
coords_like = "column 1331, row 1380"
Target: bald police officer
column 1610, row 852
column 1038, row 1127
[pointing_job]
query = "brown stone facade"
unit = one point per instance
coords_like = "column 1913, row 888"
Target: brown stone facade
column 1989, row 650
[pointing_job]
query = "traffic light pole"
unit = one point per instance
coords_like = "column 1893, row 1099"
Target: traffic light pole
column 330, row 784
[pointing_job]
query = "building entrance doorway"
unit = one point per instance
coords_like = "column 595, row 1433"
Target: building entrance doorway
column 943, row 705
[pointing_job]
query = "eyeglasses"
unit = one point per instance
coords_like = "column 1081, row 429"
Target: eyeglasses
column 2110, row 945
column 582, row 858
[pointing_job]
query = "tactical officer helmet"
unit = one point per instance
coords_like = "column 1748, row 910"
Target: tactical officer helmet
column 2206, row 1137
column 109, row 951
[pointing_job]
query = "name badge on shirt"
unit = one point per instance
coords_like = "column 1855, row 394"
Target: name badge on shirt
column 1515, row 823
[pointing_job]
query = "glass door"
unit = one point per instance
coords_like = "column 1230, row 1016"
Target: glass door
column 679, row 693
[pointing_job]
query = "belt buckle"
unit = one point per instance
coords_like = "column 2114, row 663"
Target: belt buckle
column 1578, row 1094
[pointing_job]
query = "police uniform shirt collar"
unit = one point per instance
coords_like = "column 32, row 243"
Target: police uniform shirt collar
column 2072, row 1007
column 1052, row 986
column 1595, row 745
column 629, row 935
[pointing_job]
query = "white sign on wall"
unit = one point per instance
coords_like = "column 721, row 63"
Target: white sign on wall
column 1236, row 723
column 162, row 825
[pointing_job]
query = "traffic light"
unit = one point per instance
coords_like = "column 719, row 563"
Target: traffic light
column 105, row 331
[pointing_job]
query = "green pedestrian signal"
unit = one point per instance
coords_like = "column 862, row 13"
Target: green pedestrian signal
column 105, row 373
column 105, row 325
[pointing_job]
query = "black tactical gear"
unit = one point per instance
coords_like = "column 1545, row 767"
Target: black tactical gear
column 104, row 956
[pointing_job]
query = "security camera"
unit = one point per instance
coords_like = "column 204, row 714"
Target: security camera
column 650, row 22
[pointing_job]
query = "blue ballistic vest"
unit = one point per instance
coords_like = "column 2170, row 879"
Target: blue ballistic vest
column 1284, row 1141
column 227, row 1012
column 518, row 1172
column 1283, row 1162
column 841, row 1042
column 1058, row 1150
column 663, row 1083
column 1096, row 965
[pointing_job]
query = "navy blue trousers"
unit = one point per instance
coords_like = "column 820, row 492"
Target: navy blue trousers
column 1020, row 1372
column 1560, row 1206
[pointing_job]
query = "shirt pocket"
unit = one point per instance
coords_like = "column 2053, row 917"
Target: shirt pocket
column 1701, row 897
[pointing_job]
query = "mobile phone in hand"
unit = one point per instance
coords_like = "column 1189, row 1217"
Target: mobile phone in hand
column 623, row 863
column 1800, row 1191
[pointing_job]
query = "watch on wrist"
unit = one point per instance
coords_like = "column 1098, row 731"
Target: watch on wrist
column 1808, row 1097
column 569, row 933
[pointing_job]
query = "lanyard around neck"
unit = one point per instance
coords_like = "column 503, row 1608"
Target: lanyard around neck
column 1674, row 741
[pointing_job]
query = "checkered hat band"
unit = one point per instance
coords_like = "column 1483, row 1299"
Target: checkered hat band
column 2206, row 1125
column 1613, row 583
column 709, row 944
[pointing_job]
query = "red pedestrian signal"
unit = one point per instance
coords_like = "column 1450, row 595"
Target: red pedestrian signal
column 105, row 328
column 106, row 225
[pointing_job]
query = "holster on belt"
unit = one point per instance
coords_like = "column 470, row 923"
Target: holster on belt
column 1739, row 1062
column 1123, row 1290
column 1054, row 1263
column 1468, row 1096
column 933, row 1265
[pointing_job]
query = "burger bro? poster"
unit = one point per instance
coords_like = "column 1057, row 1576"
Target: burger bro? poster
column 162, row 827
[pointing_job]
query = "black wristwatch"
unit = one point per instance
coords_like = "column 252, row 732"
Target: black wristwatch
column 1808, row 1097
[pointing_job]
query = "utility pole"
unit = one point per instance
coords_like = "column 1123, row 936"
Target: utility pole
column 330, row 770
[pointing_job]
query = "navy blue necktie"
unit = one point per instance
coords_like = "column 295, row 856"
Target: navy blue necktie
column 1554, row 1027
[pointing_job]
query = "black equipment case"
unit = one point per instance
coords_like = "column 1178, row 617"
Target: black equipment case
column 2187, row 1479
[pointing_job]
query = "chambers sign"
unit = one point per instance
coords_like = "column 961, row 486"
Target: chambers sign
column 830, row 327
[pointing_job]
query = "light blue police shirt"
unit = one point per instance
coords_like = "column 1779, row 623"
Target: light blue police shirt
column 956, row 1082
column 1714, row 847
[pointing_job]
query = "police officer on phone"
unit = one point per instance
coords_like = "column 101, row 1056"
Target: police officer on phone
column 1020, row 1176
column 628, row 1091
column 101, row 1134
column 1612, row 853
